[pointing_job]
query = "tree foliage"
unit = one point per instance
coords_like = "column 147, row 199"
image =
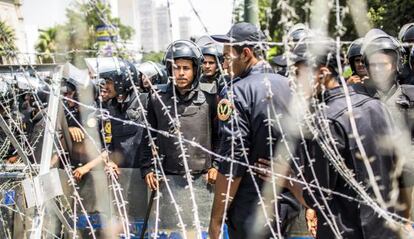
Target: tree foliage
column 77, row 36
column 389, row 15
column 7, row 41
column 46, row 44
column 153, row 56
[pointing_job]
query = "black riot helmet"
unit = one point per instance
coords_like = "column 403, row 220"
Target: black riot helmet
column 354, row 50
column 162, row 74
column 377, row 40
column 406, row 33
column 411, row 59
column 183, row 49
column 73, row 78
column 156, row 72
column 213, row 50
column 317, row 52
column 120, row 71
column 297, row 32
column 68, row 85
column 40, row 95
column 406, row 36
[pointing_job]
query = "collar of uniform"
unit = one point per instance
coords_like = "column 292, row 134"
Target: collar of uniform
column 208, row 79
column 366, row 88
column 190, row 94
column 330, row 94
column 194, row 85
column 385, row 96
column 260, row 67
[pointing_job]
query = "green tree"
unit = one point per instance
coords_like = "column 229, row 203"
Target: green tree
column 46, row 44
column 78, row 35
column 7, row 42
column 389, row 15
column 153, row 56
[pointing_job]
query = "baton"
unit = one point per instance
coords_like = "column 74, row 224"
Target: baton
column 147, row 214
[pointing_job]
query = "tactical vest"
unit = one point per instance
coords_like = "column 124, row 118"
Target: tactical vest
column 195, row 124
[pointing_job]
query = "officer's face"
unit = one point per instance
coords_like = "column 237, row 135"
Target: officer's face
column 70, row 95
column 232, row 62
column 146, row 81
column 108, row 91
column 183, row 72
column 382, row 70
column 360, row 66
column 209, row 65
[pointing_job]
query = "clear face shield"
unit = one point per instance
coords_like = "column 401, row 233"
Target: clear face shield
column 149, row 71
column 108, row 66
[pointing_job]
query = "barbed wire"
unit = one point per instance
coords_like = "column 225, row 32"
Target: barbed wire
column 311, row 121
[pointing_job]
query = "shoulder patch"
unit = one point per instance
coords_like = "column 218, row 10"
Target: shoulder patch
column 224, row 109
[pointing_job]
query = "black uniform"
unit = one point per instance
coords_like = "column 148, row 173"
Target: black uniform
column 373, row 124
column 196, row 111
column 400, row 102
column 126, row 137
column 251, row 103
column 85, row 119
column 407, row 75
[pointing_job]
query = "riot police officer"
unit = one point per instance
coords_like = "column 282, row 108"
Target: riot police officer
column 359, row 80
column 384, row 60
column 121, row 135
column 319, row 74
column 38, row 101
column 212, row 59
column 70, row 90
column 354, row 56
column 196, row 109
column 81, row 128
column 406, row 36
column 247, row 137
column 151, row 74
column 297, row 32
column 183, row 110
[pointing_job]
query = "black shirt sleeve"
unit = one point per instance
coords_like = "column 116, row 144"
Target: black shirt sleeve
column 318, row 166
column 146, row 152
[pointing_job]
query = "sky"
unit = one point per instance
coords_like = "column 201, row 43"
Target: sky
column 215, row 14
column 37, row 16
